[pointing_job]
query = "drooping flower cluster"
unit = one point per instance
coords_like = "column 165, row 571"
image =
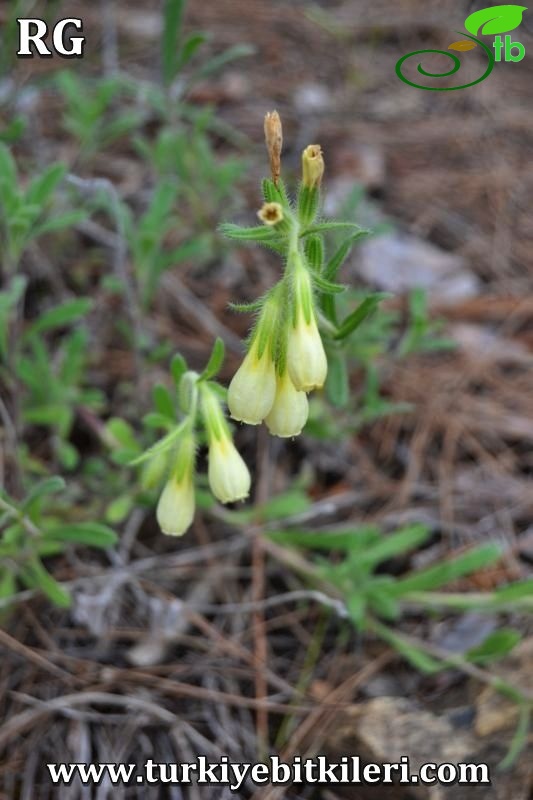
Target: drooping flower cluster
column 285, row 360
column 286, row 357
column 174, row 457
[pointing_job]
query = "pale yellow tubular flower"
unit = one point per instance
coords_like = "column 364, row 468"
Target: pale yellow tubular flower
column 175, row 509
column 253, row 387
column 306, row 358
column 312, row 166
column 289, row 413
column 228, row 475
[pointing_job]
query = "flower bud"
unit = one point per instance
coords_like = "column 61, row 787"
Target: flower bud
column 154, row 471
column 289, row 413
column 228, row 475
column 175, row 509
column 274, row 142
column 252, row 389
column 312, row 166
column 271, row 213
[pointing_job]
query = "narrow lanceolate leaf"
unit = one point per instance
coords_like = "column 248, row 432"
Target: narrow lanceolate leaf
column 64, row 314
column 328, row 540
column 447, row 571
column 394, row 544
column 172, row 19
column 8, row 302
column 515, row 591
column 164, row 402
column 257, row 233
column 214, row 64
column 119, row 433
column 247, row 307
column 41, row 188
column 363, row 310
column 35, row 576
column 161, row 446
column 496, row 645
column 43, row 488
column 156, row 420
column 216, row 360
column 338, row 258
column 411, row 652
column 178, row 367
column 189, row 48
column 520, row 736
column 277, row 245
column 381, row 601
column 337, row 381
column 322, row 227
column 326, row 286
column 61, row 221
column 92, row 534
column 8, row 169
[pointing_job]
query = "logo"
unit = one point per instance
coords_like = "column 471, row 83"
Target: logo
column 488, row 22
column 32, row 33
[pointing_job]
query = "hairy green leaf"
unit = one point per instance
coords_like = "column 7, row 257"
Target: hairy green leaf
column 216, row 359
column 363, row 310
column 257, row 233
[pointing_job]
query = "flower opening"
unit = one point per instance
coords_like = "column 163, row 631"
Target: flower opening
column 271, row 213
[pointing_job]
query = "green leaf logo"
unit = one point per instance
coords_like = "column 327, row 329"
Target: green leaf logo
column 498, row 19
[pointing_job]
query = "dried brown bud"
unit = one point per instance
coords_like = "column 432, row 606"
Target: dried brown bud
column 312, row 166
column 274, row 143
column 270, row 213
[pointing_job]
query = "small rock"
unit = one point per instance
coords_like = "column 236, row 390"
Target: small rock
column 312, row 98
column 495, row 712
column 482, row 343
column 460, row 635
column 398, row 262
column 361, row 162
